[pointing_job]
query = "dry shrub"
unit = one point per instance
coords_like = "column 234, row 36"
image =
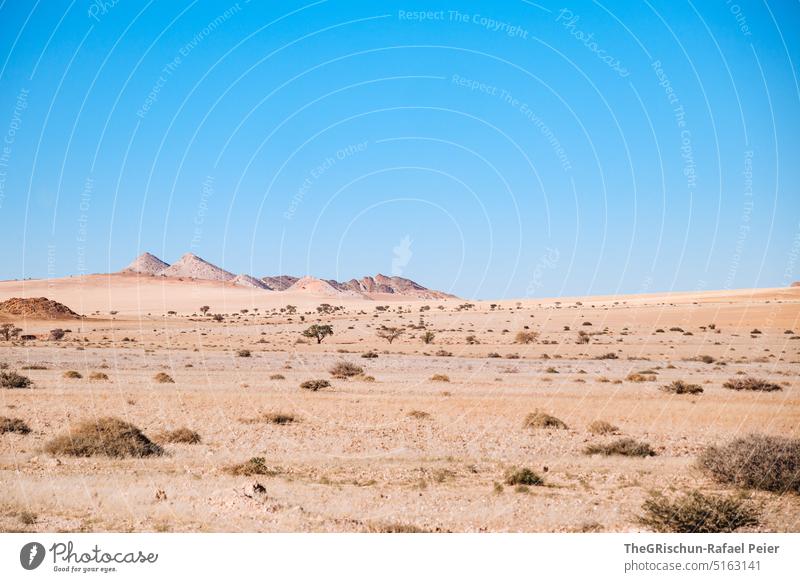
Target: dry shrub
column 253, row 466
column 756, row 462
column 343, row 370
column 371, row 355
column 751, row 384
column 109, row 436
column 315, row 385
column 243, row 353
column 539, row 419
column 163, row 378
column 695, row 512
column 681, row 387
column 626, row 447
column 12, row 380
column 405, row 528
column 601, row 427
column 98, row 377
column 16, row 425
column 523, row 476
column 440, row 378
column 277, row 377
column 419, row 414
column 607, row 356
column 526, row 337
column 181, row 435
column 72, row 375
column 272, row 418
column 637, row 377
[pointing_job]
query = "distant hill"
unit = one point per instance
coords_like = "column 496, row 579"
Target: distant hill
column 190, row 266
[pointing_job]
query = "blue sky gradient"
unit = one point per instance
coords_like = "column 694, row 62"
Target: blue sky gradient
column 492, row 150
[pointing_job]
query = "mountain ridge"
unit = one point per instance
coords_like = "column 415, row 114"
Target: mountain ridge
column 191, row 266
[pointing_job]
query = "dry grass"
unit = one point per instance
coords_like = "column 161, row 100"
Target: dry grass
column 419, row 414
column 109, row 436
column 163, row 378
column 98, row 377
column 523, row 476
column 756, row 462
column 526, row 337
column 695, row 512
column 315, row 385
column 404, row 528
column 440, row 378
column 681, row 387
column 751, row 384
column 272, row 418
column 539, row 419
column 253, row 466
column 16, row 425
column 72, row 375
column 181, row 435
column 601, row 427
column 638, row 377
column 343, row 370
column 625, row 447
column 277, row 377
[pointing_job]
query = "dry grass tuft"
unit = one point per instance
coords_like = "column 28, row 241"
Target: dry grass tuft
column 756, row 462
column 751, row 384
column 98, row 377
column 163, row 378
column 253, row 466
column 539, row 419
column 403, row 528
column 695, row 512
column 601, row 427
column 109, row 436
column 637, row 377
column 625, row 447
column 440, row 378
column 277, row 377
column 526, row 337
column 16, row 425
column 315, row 385
column 419, row 414
column 681, row 387
column 523, row 476
column 343, row 370
column 72, row 375
column 272, row 418
column 181, row 435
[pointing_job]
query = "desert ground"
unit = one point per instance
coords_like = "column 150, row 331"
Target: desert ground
column 391, row 449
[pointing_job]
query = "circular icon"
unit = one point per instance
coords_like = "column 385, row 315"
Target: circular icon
column 31, row 555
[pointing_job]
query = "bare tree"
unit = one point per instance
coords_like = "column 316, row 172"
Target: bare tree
column 390, row 333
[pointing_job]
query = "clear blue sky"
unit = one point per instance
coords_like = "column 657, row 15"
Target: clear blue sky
column 491, row 149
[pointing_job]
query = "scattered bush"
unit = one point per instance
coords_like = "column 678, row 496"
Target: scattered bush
column 539, row 419
column 370, row 355
column 277, row 377
column 626, row 447
column 243, row 353
column 57, row 334
column 607, row 356
column 637, row 377
column 681, row 387
column 109, row 436
column 344, row 370
column 419, row 414
column 179, row 435
column 601, row 427
column 254, row 466
column 315, row 385
column 440, row 378
column 16, row 425
column 695, row 512
column 163, row 378
column 526, row 337
column 428, row 337
column 14, row 380
column 751, row 384
column 756, row 462
column 523, row 477
column 72, row 375
column 98, row 377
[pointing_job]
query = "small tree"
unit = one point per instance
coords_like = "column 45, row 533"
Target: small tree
column 9, row 332
column 205, row 309
column 318, row 332
column 57, row 334
column 428, row 337
column 390, row 333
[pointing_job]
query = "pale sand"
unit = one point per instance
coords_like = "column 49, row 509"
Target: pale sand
column 357, row 460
